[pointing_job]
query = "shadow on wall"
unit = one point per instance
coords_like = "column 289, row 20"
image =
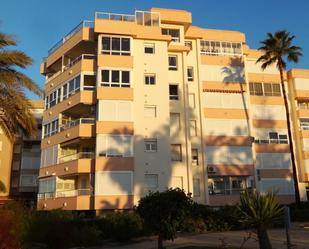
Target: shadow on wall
column 2, row 187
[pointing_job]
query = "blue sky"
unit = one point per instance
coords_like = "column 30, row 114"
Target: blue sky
column 39, row 24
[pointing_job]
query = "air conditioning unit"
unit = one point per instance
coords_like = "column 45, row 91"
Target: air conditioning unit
column 211, row 169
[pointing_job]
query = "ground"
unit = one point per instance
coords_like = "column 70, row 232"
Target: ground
column 299, row 237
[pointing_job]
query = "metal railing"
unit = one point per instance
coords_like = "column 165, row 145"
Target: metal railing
column 65, row 193
column 81, row 25
column 77, row 122
column 234, row 191
column 271, row 141
column 72, row 63
column 145, row 18
column 79, row 155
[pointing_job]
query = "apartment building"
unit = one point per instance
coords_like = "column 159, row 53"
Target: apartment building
column 144, row 102
column 20, row 162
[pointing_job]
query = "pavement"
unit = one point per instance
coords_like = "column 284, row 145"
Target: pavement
column 299, row 237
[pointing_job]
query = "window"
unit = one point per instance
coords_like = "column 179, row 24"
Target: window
column 172, row 62
column 176, row 152
column 28, row 180
column 151, row 145
column 190, row 74
column 174, row 33
column 50, row 128
column 149, row 48
column 264, row 89
column 304, row 123
column 115, row 78
column 228, row 185
column 194, row 156
column 193, row 131
column 188, row 44
column 150, row 111
column 220, row 48
column 173, row 90
column 115, row 145
column 115, row 45
column 196, row 187
column 115, row 110
column 273, row 138
column 150, row 79
column 151, row 181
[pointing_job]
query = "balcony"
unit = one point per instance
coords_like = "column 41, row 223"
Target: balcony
column 76, row 199
column 79, row 155
column 76, row 122
column 82, row 24
column 144, row 18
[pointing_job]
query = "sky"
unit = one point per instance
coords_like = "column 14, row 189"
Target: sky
column 39, row 24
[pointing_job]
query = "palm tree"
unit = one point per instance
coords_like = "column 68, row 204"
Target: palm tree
column 260, row 211
column 15, row 113
column 276, row 48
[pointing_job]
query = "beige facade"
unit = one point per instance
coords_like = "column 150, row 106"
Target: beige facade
column 144, row 102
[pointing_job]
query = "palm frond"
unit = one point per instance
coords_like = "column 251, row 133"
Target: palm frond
column 6, row 40
column 14, row 58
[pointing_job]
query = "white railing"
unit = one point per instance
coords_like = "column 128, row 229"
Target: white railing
column 81, row 25
column 79, row 155
column 271, row 141
column 69, row 65
column 77, row 122
column 145, row 18
column 65, row 193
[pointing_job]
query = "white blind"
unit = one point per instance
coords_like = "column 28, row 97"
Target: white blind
column 115, row 145
column 273, row 160
column 113, row 110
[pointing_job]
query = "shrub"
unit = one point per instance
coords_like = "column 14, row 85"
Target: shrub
column 120, row 226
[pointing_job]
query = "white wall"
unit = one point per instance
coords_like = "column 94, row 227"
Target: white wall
column 226, row 127
column 270, row 112
column 224, row 100
column 253, row 67
column 239, row 155
column 301, row 84
column 222, row 73
column 114, row 183
column 273, row 160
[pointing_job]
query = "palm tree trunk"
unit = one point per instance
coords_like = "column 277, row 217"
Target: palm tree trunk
column 264, row 241
column 297, row 197
column 160, row 241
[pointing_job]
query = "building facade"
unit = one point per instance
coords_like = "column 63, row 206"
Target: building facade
column 144, row 102
column 20, row 162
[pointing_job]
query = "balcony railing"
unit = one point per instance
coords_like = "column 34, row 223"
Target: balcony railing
column 79, row 155
column 271, row 141
column 72, row 63
column 145, row 18
column 81, row 25
column 77, row 122
column 65, row 193
column 234, row 191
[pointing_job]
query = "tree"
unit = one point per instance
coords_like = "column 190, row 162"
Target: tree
column 15, row 108
column 163, row 212
column 276, row 49
column 260, row 211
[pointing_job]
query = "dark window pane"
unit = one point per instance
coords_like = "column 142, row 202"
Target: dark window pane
column 125, row 44
column 115, row 76
column 106, row 43
column 273, row 135
column 71, row 86
column 164, row 32
column 105, row 75
column 172, row 61
column 116, row 44
column 77, row 82
column 125, row 77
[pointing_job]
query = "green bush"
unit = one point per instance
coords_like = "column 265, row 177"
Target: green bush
column 120, row 226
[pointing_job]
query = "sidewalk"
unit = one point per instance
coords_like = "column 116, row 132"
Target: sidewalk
column 299, row 237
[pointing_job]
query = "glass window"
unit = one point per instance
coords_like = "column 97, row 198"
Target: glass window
column 276, row 89
column 176, row 152
column 125, row 76
column 115, row 76
column 193, row 131
column 150, row 111
column 190, row 73
column 194, row 156
column 150, row 79
column 267, row 89
column 173, row 92
column 125, row 44
column 105, row 75
column 174, row 33
column 150, row 145
column 106, row 44
column 151, row 181
column 172, row 62
column 71, row 86
column 149, row 48
column 77, row 83
column 115, row 45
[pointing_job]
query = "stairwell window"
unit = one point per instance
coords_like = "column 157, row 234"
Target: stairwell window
column 149, row 48
column 116, row 45
column 173, row 91
column 172, row 62
column 150, row 79
column 174, row 33
column 115, row 78
column 190, row 74
column 151, row 145
column 176, row 152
